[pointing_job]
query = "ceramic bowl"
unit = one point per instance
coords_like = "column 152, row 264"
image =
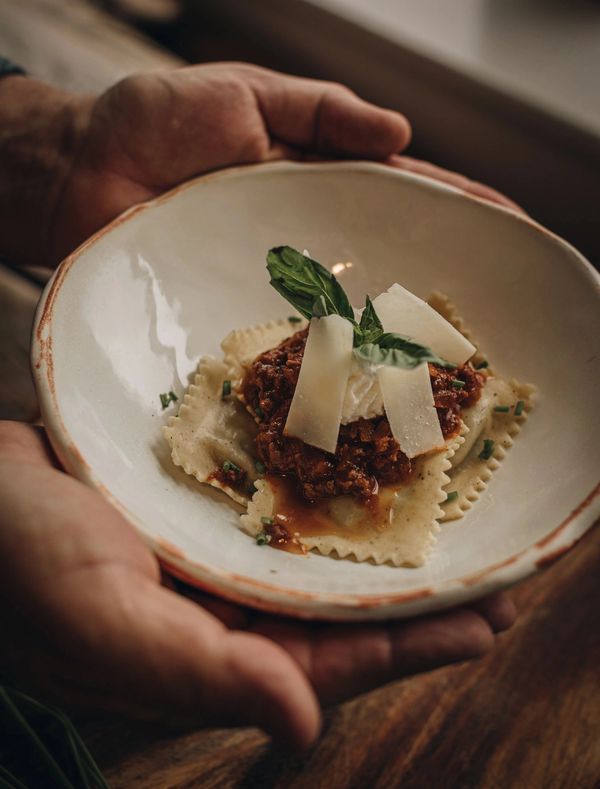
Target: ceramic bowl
column 128, row 315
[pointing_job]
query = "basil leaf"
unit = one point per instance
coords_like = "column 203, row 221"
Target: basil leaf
column 307, row 285
column 370, row 328
column 423, row 352
column 315, row 292
column 394, row 350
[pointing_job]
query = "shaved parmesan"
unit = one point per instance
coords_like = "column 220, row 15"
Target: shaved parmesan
column 402, row 312
column 316, row 409
column 410, row 409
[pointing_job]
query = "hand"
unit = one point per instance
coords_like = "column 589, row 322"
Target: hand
column 151, row 132
column 89, row 622
column 89, row 618
column 81, row 161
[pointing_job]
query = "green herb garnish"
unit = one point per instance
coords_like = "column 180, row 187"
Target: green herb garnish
column 262, row 538
column 229, row 465
column 519, row 407
column 370, row 328
column 456, row 383
column 294, row 319
column 226, row 390
column 304, row 282
column 488, row 449
column 452, row 494
column 315, row 293
column 169, row 397
column 394, row 350
column 502, row 409
column 482, row 365
column 266, row 520
column 260, row 467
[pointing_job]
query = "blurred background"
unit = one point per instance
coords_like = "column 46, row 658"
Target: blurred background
column 504, row 91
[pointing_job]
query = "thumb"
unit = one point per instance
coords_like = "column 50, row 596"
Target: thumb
column 226, row 677
column 153, row 653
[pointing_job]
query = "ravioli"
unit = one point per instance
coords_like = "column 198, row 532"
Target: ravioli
column 211, row 430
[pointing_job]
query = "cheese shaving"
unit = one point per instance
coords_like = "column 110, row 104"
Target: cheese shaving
column 410, row 409
column 402, row 312
column 316, row 409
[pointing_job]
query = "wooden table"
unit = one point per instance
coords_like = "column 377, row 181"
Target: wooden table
column 528, row 715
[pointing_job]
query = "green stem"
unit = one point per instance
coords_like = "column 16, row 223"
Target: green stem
column 53, row 768
column 82, row 756
column 8, row 780
column 87, row 763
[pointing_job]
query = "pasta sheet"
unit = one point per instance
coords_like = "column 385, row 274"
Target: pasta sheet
column 470, row 474
column 210, row 429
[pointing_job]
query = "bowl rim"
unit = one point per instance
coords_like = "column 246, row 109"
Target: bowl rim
column 271, row 597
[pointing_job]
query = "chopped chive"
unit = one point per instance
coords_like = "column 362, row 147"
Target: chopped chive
column 502, row 409
column 168, row 397
column 226, row 390
column 457, row 383
column 228, row 465
column 294, row 319
column 452, row 494
column 262, row 538
column 519, row 407
column 266, row 520
column 260, row 467
column 482, row 365
column 488, row 449
column 259, row 413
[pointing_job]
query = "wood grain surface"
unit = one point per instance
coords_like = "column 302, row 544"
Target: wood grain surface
column 527, row 715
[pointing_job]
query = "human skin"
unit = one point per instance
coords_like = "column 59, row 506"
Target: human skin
column 88, row 618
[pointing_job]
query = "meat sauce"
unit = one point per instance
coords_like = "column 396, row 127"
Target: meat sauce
column 367, row 455
column 232, row 477
column 355, row 519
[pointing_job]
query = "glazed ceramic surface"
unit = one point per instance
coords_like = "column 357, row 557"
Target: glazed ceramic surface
column 128, row 315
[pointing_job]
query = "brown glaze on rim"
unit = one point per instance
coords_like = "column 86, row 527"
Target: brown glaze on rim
column 550, row 558
column 74, row 462
column 242, row 599
column 554, row 555
column 271, row 607
column 574, row 514
column 168, row 547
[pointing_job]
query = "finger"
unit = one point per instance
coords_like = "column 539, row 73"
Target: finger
column 231, row 615
column 20, row 442
column 326, row 117
column 454, row 179
column 498, row 610
column 87, row 596
column 344, row 660
column 152, row 653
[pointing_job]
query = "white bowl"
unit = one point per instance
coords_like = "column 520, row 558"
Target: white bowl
column 129, row 313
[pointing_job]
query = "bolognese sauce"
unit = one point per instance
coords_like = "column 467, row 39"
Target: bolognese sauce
column 367, row 454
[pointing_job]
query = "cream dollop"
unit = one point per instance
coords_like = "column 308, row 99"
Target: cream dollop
column 363, row 398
